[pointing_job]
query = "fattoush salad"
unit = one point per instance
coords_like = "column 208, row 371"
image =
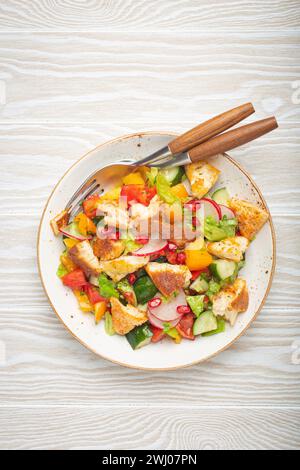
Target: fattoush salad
column 159, row 256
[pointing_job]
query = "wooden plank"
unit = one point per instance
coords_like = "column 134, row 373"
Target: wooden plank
column 118, row 77
column 146, row 15
column 140, row 428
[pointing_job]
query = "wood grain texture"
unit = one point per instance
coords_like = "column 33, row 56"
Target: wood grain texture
column 121, row 77
column 148, row 15
column 158, row 428
column 77, row 74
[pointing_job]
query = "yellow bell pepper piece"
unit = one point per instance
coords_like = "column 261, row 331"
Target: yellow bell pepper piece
column 133, row 178
column 83, row 301
column 197, row 259
column 67, row 262
column 70, row 242
column 143, row 171
column 85, row 225
column 100, row 309
column 175, row 335
column 179, row 190
column 112, row 195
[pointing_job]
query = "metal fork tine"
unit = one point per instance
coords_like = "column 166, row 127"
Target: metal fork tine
column 81, row 190
column 75, row 209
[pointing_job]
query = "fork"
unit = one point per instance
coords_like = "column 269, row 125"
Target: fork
column 200, row 142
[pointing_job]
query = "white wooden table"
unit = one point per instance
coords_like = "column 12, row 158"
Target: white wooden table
column 75, row 74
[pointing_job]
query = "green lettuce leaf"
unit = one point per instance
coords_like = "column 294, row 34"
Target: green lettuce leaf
column 216, row 231
column 107, row 287
column 164, row 191
column 61, row 270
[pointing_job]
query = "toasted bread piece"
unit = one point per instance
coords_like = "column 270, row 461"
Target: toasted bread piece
column 232, row 248
column 125, row 318
column 107, row 249
column 168, row 278
column 202, row 177
column 61, row 220
column 82, row 255
column 118, row 268
column 250, row 218
column 231, row 301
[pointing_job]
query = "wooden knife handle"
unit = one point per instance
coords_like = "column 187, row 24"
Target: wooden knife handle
column 210, row 128
column 232, row 139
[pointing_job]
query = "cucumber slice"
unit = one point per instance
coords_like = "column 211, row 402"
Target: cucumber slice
column 222, row 269
column 199, row 285
column 139, row 336
column 173, row 175
column 221, row 196
column 204, row 323
column 220, row 329
column 144, row 289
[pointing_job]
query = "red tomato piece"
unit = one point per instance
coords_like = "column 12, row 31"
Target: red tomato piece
column 172, row 257
column 75, row 279
column 185, row 326
column 181, row 258
column 90, row 205
column 195, row 274
column 158, row 334
column 93, row 294
column 138, row 193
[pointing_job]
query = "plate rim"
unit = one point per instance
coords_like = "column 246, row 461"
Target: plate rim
column 157, row 369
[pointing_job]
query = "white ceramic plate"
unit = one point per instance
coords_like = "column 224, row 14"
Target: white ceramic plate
column 166, row 355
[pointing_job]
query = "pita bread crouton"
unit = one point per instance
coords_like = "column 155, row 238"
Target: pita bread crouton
column 231, row 301
column 232, row 248
column 125, row 318
column 168, row 278
column 118, row 268
column 250, row 218
column 202, row 177
column 61, row 220
column 82, row 255
column 106, row 249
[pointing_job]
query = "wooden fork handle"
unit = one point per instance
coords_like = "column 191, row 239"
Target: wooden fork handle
column 210, row 128
column 232, row 139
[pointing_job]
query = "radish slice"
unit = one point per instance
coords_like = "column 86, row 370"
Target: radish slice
column 71, row 231
column 166, row 312
column 211, row 208
column 159, row 323
column 154, row 246
column 226, row 211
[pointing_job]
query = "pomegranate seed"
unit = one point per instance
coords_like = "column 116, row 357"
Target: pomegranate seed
column 154, row 303
column 181, row 258
column 131, row 278
column 183, row 309
column 172, row 246
column 172, row 257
